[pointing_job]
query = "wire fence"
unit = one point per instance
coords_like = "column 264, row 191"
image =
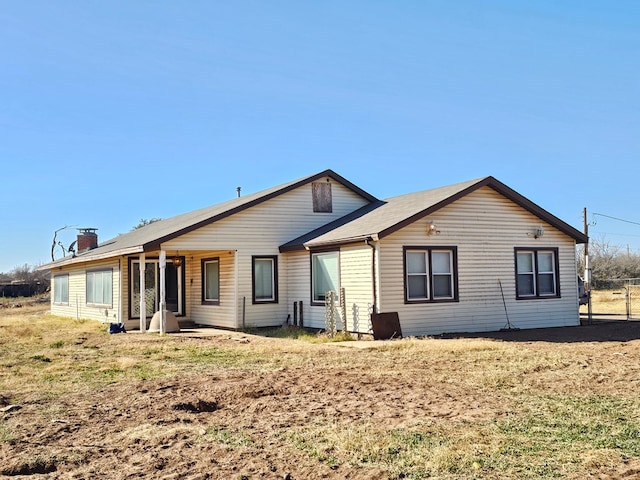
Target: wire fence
column 615, row 296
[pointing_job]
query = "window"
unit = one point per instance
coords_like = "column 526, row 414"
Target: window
column 265, row 278
column 536, row 273
column 430, row 274
column 211, row 281
column 99, row 287
column 61, row 289
column 324, row 275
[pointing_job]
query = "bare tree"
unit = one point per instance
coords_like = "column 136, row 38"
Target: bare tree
column 609, row 262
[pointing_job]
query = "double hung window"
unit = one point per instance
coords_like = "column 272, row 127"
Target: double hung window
column 430, row 274
column 537, row 273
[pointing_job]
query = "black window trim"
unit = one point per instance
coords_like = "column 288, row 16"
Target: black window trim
column 430, row 248
column 274, row 258
column 203, row 263
column 556, row 261
column 311, row 254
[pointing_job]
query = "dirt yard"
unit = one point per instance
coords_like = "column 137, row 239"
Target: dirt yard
column 250, row 407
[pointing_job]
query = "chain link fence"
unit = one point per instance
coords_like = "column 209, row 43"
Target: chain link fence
column 618, row 297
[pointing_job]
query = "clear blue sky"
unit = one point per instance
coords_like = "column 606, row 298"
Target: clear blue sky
column 113, row 111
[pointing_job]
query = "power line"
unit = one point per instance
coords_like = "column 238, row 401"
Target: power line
column 615, row 218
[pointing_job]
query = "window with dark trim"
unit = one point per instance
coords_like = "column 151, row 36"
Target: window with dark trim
column 100, row 287
column 325, row 275
column 430, row 274
column 61, row 289
column 537, row 273
column 211, row 281
column 264, row 274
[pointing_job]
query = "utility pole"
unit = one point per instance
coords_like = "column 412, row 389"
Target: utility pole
column 587, row 270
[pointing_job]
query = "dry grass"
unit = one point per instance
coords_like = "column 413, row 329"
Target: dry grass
column 414, row 408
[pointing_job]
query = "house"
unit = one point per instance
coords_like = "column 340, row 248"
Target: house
column 472, row 256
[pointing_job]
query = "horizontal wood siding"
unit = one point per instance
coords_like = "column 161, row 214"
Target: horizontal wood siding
column 298, row 280
column 485, row 227
column 222, row 315
column 77, row 306
column 261, row 230
column 355, row 278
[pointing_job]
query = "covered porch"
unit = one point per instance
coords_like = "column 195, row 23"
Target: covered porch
column 196, row 286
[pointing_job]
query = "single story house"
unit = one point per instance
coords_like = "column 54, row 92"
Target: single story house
column 474, row 256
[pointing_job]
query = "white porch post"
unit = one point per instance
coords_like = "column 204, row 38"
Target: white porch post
column 163, row 293
column 143, row 296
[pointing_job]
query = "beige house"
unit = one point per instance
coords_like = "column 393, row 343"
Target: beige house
column 468, row 257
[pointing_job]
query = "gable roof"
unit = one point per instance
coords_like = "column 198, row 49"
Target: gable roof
column 379, row 219
column 150, row 237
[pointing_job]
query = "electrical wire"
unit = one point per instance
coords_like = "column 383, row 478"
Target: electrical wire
column 615, row 218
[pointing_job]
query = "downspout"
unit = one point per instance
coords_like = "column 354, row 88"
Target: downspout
column 373, row 274
column 236, row 289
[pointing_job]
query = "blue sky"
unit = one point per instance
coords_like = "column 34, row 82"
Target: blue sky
column 115, row 111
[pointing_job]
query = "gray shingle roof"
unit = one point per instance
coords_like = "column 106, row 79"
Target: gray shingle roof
column 382, row 218
column 150, row 236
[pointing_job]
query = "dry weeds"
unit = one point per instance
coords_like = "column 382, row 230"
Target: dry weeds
column 130, row 405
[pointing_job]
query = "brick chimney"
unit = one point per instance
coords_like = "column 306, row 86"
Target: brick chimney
column 87, row 239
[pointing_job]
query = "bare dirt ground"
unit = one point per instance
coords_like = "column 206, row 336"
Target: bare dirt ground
column 158, row 428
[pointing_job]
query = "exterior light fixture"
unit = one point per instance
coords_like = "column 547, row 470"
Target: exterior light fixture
column 537, row 233
column 432, row 229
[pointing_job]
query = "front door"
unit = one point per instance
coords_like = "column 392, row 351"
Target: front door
column 173, row 287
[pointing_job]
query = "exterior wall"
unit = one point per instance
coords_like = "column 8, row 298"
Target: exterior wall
column 485, row 227
column 355, row 277
column 259, row 230
column 222, row 315
column 77, row 306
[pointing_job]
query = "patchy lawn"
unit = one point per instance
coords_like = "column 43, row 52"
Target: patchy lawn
column 79, row 403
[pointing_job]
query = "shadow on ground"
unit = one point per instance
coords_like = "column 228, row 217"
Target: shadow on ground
column 600, row 330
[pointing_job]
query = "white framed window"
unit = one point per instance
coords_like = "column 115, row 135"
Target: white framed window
column 61, row 289
column 100, row 287
column 325, row 275
column 265, row 279
column 430, row 274
column 211, row 281
column 536, row 273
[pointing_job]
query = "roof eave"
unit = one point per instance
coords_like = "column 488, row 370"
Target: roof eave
column 507, row 192
column 89, row 257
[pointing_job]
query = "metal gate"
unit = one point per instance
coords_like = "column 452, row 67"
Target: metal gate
column 619, row 297
column 633, row 299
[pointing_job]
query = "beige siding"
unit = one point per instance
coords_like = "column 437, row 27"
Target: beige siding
column 298, row 279
column 485, row 227
column 355, row 278
column 77, row 306
column 222, row 315
column 260, row 230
